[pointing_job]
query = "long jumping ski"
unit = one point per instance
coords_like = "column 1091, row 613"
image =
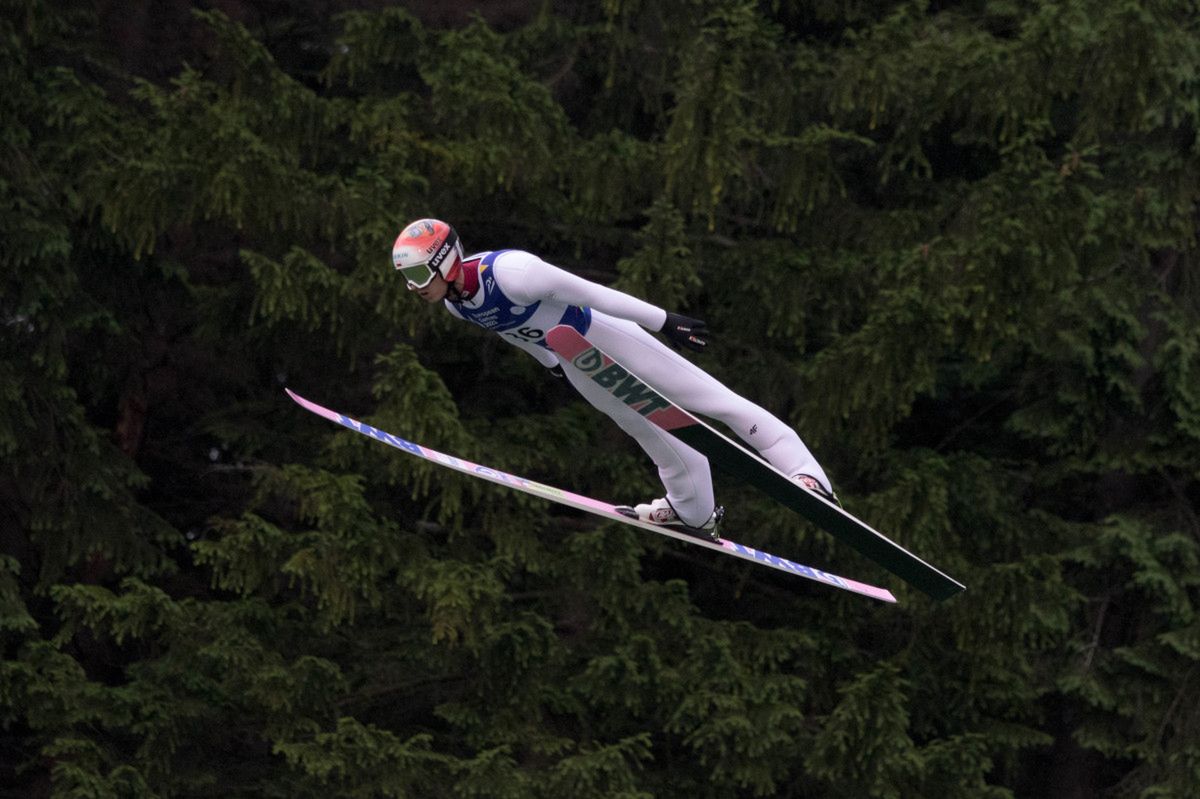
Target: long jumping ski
column 595, row 506
column 740, row 462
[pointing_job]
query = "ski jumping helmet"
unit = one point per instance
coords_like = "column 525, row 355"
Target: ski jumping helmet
column 426, row 248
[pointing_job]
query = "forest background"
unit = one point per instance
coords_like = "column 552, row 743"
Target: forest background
column 954, row 243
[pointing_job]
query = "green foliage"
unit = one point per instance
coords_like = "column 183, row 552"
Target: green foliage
column 953, row 243
column 663, row 270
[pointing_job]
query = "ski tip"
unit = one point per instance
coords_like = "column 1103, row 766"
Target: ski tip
column 303, row 403
column 319, row 410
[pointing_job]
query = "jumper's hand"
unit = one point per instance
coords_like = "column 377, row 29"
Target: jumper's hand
column 685, row 331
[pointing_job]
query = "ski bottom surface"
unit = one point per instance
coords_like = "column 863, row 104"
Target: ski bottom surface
column 595, row 506
column 735, row 459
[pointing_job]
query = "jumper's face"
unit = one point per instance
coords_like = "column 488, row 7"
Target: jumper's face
column 435, row 291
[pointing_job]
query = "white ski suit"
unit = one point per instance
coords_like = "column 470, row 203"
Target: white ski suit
column 521, row 297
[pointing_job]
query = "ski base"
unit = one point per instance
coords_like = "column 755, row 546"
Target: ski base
column 595, row 506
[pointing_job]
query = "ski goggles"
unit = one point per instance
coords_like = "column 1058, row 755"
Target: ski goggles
column 418, row 276
column 421, row 275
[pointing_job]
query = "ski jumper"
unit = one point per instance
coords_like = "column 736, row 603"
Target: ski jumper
column 520, row 296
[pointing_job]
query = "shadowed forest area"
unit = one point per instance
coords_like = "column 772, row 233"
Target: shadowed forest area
column 952, row 243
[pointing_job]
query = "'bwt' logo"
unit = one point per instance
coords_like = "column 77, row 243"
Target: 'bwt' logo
column 589, row 361
column 618, row 382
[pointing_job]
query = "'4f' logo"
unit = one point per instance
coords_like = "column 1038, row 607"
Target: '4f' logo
column 620, row 383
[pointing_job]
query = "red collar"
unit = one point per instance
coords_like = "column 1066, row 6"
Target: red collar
column 470, row 273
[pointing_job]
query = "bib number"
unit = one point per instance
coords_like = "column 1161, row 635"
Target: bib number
column 526, row 333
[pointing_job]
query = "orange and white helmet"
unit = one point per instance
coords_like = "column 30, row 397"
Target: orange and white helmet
column 426, row 248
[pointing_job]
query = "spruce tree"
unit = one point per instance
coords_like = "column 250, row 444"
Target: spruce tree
column 952, row 243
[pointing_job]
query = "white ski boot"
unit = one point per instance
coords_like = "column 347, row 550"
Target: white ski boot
column 814, row 485
column 660, row 512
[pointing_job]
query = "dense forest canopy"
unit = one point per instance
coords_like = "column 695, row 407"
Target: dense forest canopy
column 953, row 243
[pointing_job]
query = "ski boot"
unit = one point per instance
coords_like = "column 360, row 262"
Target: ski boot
column 660, row 512
column 814, row 485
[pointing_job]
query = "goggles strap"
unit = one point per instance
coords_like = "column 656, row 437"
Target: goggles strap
column 445, row 251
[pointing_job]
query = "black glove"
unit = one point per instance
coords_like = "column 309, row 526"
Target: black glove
column 557, row 370
column 685, row 331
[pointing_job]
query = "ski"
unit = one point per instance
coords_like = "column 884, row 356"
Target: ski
column 590, row 505
column 739, row 461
